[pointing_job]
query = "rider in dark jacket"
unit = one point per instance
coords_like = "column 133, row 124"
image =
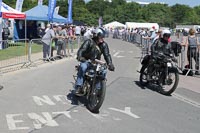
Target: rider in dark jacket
column 162, row 45
column 92, row 49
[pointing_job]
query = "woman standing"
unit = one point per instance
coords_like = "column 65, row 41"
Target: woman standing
column 193, row 50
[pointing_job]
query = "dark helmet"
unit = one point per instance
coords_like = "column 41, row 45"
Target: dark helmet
column 99, row 32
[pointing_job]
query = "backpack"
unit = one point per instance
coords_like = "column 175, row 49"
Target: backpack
column 176, row 47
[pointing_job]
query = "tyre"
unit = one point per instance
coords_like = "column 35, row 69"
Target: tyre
column 96, row 98
column 170, row 84
column 143, row 76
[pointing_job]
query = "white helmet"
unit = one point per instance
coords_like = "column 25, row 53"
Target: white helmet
column 165, row 33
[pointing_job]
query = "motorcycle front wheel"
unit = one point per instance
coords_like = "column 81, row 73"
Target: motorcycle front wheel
column 168, row 86
column 96, row 98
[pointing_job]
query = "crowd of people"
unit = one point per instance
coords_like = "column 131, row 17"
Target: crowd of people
column 62, row 38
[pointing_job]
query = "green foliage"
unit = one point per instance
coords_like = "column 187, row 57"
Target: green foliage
column 119, row 10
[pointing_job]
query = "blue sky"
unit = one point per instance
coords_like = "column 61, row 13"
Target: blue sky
column 191, row 3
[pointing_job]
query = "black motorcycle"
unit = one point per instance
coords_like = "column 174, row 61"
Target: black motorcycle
column 94, row 74
column 160, row 70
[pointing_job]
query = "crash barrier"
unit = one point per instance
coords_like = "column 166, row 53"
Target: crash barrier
column 188, row 60
column 14, row 53
column 25, row 53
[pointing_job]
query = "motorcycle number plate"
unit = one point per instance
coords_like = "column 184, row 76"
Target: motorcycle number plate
column 169, row 64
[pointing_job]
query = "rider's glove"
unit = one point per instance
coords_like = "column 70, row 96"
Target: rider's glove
column 111, row 67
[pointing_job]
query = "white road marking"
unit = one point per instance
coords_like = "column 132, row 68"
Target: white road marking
column 66, row 113
column 39, row 121
column 186, row 100
column 59, row 98
column 39, row 100
column 126, row 111
column 97, row 116
column 117, row 54
column 12, row 122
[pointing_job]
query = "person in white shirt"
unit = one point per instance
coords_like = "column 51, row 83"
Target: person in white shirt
column 88, row 34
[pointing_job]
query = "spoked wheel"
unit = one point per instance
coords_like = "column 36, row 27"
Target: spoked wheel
column 96, row 98
column 143, row 76
column 170, row 84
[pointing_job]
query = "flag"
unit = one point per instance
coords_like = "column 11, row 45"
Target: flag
column 100, row 21
column 69, row 11
column 57, row 9
column 19, row 4
column 40, row 2
column 51, row 8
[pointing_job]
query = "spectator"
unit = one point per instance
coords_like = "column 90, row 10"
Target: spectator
column 47, row 40
column 78, row 34
column 72, row 37
column 60, row 43
column 48, row 27
column 193, row 52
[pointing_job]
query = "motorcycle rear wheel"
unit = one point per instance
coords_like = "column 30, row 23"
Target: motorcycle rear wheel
column 143, row 76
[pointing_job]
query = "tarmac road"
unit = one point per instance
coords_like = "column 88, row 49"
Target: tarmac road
column 39, row 100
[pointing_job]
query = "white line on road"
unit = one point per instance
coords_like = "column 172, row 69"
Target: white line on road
column 186, row 100
column 117, row 55
column 126, row 111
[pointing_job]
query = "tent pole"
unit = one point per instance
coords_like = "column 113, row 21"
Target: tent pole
column 25, row 30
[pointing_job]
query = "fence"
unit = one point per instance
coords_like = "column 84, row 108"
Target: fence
column 14, row 53
column 24, row 52
column 186, row 58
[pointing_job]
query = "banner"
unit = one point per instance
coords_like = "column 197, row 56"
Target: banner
column 51, row 8
column 40, row 2
column 69, row 11
column 19, row 4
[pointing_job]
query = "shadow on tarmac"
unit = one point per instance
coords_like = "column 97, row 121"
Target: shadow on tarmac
column 151, row 87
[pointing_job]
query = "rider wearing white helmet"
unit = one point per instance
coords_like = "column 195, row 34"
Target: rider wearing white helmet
column 162, row 45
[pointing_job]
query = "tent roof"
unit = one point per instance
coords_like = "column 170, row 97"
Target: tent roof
column 114, row 24
column 141, row 25
column 9, row 12
column 40, row 12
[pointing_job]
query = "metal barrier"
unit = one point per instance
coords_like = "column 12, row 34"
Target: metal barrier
column 185, row 59
column 14, row 53
column 23, row 52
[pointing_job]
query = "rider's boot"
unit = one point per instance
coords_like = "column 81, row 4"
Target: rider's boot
column 78, row 91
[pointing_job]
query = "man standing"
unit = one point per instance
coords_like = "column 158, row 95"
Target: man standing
column 46, row 40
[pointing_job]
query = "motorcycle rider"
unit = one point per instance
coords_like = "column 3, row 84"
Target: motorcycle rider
column 162, row 45
column 92, row 49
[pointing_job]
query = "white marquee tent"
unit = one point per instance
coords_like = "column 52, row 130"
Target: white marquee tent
column 141, row 25
column 114, row 24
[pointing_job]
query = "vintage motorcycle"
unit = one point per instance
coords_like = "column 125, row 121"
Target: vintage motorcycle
column 161, row 71
column 94, row 75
